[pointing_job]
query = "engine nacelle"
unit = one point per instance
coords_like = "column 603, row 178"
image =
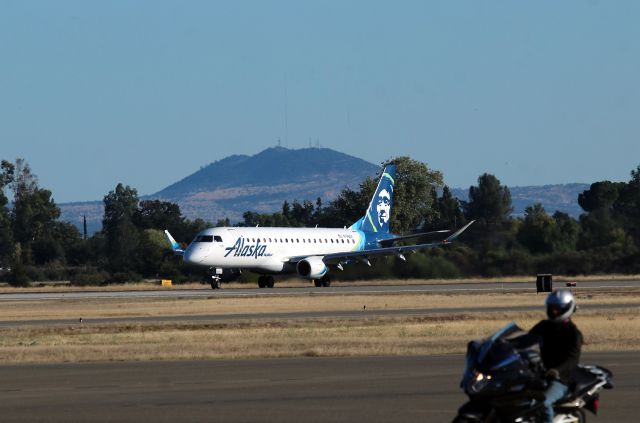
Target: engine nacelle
column 311, row 267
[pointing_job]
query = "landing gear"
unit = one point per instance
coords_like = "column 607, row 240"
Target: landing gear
column 214, row 278
column 266, row 282
column 324, row 281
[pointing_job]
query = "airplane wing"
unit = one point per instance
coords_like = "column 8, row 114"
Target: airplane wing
column 364, row 255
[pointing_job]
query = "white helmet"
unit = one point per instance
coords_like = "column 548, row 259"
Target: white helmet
column 560, row 305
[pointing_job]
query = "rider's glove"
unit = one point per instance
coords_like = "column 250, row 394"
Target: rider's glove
column 552, row 374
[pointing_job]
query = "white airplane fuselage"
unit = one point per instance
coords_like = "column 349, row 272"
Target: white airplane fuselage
column 309, row 252
column 266, row 250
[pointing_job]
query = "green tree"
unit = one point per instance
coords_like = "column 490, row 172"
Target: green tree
column 413, row 194
column 34, row 214
column 489, row 202
column 539, row 230
column 448, row 212
column 626, row 208
column 122, row 237
column 302, row 214
column 156, row 214
column 568, row 231
column 348, row 207
column 153, row 249
column 6, row 231
column 599, row 225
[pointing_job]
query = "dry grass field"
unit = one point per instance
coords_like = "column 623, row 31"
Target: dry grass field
column 610, row 331
column 604, row 330
column 73, row 309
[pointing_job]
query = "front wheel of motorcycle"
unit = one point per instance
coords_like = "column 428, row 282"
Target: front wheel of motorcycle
column 578, row 416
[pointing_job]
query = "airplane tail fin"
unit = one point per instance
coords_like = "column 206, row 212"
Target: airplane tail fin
column 377, row 218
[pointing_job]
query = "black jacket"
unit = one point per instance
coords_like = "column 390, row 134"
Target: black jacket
column 560, row 347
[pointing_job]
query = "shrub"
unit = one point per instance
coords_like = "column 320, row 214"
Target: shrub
column 89, row 277
column 124, row 277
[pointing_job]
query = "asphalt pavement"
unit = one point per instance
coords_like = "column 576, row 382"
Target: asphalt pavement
column 342, row 289
column 371, row 389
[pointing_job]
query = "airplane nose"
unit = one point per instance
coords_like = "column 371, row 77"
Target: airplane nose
column 194, row 255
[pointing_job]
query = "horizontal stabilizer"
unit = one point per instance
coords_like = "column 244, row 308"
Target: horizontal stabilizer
column 389, row 242
column 174, row 245
column 459, row 231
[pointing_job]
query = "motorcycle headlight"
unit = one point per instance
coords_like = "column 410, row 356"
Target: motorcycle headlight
column 480, row 381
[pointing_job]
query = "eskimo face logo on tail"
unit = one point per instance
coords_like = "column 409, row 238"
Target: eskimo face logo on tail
column 247, row 249
column 383, row 207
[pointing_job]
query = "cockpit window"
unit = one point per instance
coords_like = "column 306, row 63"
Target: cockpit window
column 204, row 238
column 217, row 238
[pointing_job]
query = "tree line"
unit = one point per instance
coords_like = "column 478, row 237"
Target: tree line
column 35, row 245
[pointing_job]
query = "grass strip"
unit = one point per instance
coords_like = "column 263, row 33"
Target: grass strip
column 610, row 330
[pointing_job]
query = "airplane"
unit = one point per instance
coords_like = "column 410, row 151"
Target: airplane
column 309, row 252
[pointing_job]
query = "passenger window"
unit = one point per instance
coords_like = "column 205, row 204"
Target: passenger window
column 332, row 240
column 297, row 240
column 269, row 239
column 303, row 240
column 287, row 240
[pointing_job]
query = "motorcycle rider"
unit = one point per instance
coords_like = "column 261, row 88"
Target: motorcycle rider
column 560, row 346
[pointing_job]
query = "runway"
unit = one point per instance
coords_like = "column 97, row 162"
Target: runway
column 287, row 316
column 343, row 289
column 371, row 389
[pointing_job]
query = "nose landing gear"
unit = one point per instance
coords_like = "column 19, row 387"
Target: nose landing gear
column 215, row 283
column 214, row 277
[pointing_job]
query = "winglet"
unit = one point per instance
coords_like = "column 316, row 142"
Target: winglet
column 174, row 245
column 458, row 232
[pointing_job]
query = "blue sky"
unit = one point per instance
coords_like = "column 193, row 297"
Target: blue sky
column 145, row 92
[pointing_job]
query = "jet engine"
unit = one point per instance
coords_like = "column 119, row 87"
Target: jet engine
column 311, row 267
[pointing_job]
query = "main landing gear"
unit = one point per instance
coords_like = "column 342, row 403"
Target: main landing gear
column 323, row 281
column 266, row 282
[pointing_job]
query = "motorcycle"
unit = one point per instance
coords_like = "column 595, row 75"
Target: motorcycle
column 504, row 379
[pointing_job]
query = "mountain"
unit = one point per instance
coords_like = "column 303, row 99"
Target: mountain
column 259, row 183
column 262, row 182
